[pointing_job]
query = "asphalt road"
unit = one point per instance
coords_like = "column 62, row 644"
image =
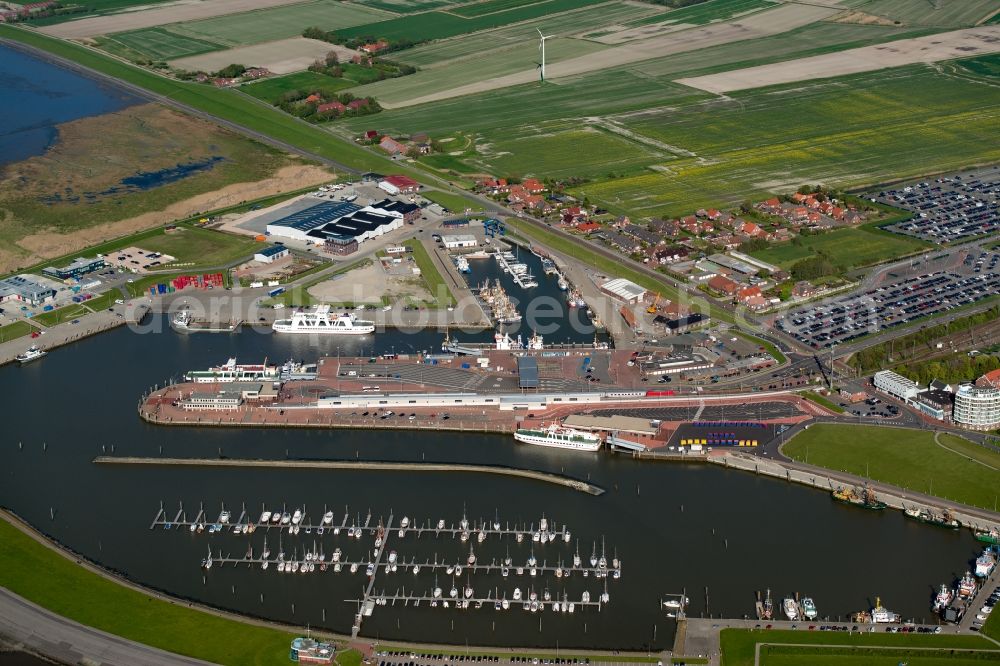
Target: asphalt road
column 69, row 642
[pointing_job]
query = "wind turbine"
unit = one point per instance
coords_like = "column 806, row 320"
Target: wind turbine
column 541, row 45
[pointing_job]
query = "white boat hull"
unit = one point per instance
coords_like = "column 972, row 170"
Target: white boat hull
column 354, row 330
column 544, row 441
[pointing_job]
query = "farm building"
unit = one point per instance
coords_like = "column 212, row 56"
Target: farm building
column 271, row 254
column 624, row 290
column 399, row 185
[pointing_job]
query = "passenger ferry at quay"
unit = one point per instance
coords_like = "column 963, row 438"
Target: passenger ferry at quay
column 559, row 437
column 321, row 322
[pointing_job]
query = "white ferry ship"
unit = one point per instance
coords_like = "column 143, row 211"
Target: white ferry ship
column 231, row 371
column 559, row 437
column 320, row 321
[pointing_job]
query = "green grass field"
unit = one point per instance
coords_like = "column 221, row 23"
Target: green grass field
column 441, row 25
column 196, row 247
column 431, row 275
column 820, row 400
column 60, row 315
column 271, row 89
column 986, row 66
column 453, row 202
column 848, row 247
column 475, row 9
column 159, row 44
column 944, row 14
column 956, row 469
column 738, row 644
column 103, row 301
column 264, row 25
column 406, row 6
column 584, row 152
column 787, row 655
column 17, row 329
column 33, row 571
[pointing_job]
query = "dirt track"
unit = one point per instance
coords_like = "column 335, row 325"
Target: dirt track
column 933, row 48
column 174, row 12
column 762, row 24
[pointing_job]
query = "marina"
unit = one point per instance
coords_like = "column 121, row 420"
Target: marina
column 309, row 556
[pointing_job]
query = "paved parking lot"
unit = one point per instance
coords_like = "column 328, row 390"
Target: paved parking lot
column 949, row 208
column 895, row 303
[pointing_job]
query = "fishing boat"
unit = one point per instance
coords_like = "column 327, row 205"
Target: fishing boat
column 768, row 612
column 560, row 437
column 967, row 586
column 30, row 355
column 320, row 321
column 790, row 608
column 809, row 608
column 946, row 519
column 866, row 499
column 942, row 599
column 990, row 536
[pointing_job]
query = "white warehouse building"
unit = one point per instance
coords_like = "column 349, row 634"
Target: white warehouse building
column 624, row 290
column 459, row 240
column 896, row 385
column 977, row 407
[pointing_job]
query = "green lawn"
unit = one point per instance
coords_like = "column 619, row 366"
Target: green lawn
column 15, row 330
column 957, row 470
column 61, row 315
column 769, row 347
column 822, row 401
column 779, row 655
column 103, row 301
column 453, row 202
column 201, row 247
column 848, row 247
column 33, row 571
column 271, row 89
column 431, row 275
column 738, row 644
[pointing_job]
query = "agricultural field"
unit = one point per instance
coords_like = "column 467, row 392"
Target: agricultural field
column 95, row 8
column 155, row 44
column 699, row 14
column 475, row 9
column 523, row 35
column 949, row 466
column 942, row 13
column 903, row 122
column 271, row 89
column 847, row 247
column 446, row 76
column 582, row 152
column 441, row 24
column 985, row 66
column 278, row 22
column 406, row 6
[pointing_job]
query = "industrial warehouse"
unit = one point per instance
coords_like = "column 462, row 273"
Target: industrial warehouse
column 342, row 226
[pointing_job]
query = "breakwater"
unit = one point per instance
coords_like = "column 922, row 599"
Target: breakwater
column 581, row 486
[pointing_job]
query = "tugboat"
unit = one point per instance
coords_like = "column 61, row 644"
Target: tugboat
column 943, row 599
column 866, row 499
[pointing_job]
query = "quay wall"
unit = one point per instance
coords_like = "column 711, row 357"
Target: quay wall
column 545, row 477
